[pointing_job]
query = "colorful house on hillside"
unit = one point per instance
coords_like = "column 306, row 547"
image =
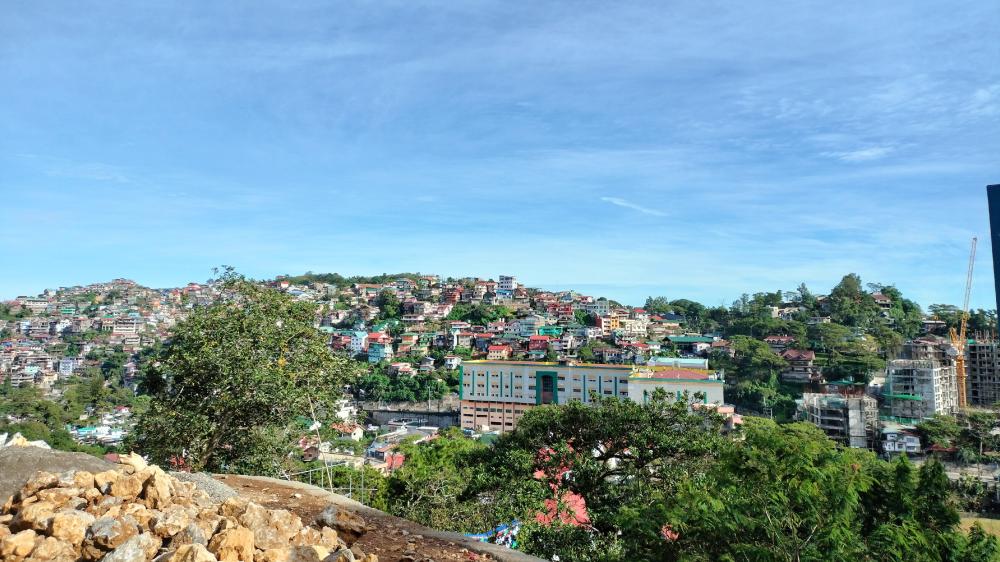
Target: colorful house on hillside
column 538, row 343
column 801, row 368
column 452, row 362
column 499, row 352
column 359, row 342
column 552, row 331
column 779, row 343
column 692, row 344
column 379, row 347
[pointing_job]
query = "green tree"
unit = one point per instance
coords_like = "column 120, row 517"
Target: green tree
column 855, row 364
column 754, row 359
column 939, row 430
column 828, row 337
column 388, row 305
column 850, row 305
column 658, row 305
column 234, row 376
column 786, row 493
column 620, row 458
column 980, row 546
column 935, row 505
column 585, row 318
column 428, row 486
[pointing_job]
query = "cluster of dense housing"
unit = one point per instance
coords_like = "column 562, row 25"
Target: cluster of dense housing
column 517, row 347
column 95, row 331
column 50, row 337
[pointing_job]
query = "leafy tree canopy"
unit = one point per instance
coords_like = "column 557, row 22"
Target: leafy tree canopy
column 233, row 377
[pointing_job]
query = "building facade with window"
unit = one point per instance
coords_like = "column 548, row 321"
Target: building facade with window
column 496, row 394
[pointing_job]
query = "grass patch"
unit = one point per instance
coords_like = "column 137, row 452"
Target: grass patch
column 991, row 526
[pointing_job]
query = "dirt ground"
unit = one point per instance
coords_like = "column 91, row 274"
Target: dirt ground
column 392, row 539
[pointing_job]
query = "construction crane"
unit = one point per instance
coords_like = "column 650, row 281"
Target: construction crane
column 958, row 337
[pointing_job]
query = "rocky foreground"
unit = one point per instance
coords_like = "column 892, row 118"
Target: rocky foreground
column 136, row 512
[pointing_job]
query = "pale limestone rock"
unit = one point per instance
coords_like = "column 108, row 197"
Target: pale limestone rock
column 233, row 507
column 18, row 545
column 342, row 555
column 92, row 495
column 108, row 534
column 273, row 555
column 105, row 504
column 140, row 514
column 133, row 461
column 34, row 516
column 138, row 548
column 312, row 553
column 40, row 481
column 193, row 553
column 170, row 521
column 157, row 490
column 192, row 534
column 51, row 549
column 83, row 480
column 306, row 536
column 208, row 521
column 70, row 526
column 103, row 480
column 235, row 545
column 285, row 523
column 59, row 496
column 127, row 486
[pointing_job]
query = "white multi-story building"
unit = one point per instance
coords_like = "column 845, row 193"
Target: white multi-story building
column 529, row 325
column 899, row 439
column 359, row 342
column 600, row 307
column 126, row 326
column 507, row 283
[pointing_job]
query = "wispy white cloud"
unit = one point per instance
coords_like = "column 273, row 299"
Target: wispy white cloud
column 985, row 101
column 862, row 155
column 628, row 205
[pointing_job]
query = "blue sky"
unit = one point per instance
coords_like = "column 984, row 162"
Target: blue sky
column 690, row 149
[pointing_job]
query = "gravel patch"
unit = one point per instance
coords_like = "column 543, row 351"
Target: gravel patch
column 216, row 490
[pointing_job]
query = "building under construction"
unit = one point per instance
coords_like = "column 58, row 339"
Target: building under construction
column 983, row 354
column 852, row 420
column 923, row 381
column 982, row 366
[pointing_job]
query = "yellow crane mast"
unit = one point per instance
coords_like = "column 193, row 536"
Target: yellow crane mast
column 958, row 338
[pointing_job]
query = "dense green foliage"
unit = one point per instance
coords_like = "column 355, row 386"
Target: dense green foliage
column 479, row 314
column 851, row 334
column 389, row 306
column 232, row 378
column 339, row 280
column 376, row 385
column 428, row 487
column 660, row 482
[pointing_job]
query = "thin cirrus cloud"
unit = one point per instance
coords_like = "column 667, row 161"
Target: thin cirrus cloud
column 629, row 205
column 862, row 155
